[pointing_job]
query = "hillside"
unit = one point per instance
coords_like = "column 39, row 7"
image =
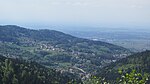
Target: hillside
column 139, row 62
column 14, row 71
column 58, row 50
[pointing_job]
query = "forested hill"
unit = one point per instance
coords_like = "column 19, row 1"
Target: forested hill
column 58, row 50
column 139, row 62
column 15, row 71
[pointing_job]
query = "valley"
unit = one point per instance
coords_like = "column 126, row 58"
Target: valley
column 74, row 41
column 76, row 58
column 58, row 50
column 136, row 40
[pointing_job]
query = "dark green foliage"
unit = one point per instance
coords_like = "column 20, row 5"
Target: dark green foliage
column 139, row 62
column 132, row 78
column 13, row 71
column 95, row 80
column 124, row 78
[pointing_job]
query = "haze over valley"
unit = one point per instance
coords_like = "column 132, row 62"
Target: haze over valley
column 135, row 39
column 74, row 41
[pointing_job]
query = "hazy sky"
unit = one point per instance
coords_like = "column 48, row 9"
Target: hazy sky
column 103, row 13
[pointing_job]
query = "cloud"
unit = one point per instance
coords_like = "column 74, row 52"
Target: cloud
column 92, row 12
column 136, row 6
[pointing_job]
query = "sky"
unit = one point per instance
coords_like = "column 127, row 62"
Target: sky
column 87, row 13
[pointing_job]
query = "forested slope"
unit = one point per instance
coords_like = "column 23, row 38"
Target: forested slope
column 15, row 71
column 139, row 62
column 58, row 50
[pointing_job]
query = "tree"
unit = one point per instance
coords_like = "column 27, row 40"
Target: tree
column 15, row 80
column 7, row 72
column 132, row 78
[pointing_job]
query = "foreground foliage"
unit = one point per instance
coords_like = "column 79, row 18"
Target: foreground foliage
column 125, row 78
column 139, row 62
column 133, row 78
column 20, row 72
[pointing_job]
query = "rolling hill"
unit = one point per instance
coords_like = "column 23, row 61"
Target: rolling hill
column 58, row 50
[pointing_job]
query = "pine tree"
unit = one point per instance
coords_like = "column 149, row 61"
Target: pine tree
column 7, row 72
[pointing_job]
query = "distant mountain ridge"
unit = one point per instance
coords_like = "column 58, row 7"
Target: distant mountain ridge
column 56, row 49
